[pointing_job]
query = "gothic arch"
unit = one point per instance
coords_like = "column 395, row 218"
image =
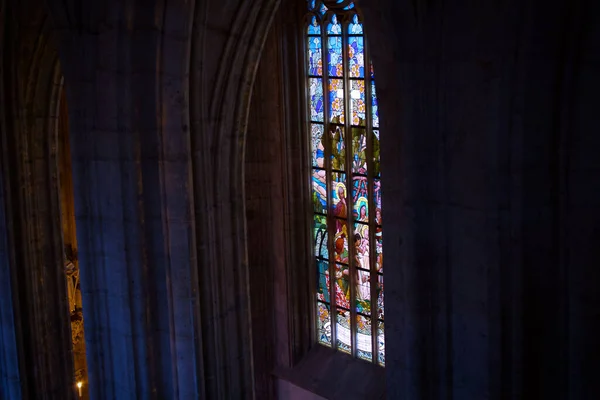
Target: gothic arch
column 30, row 93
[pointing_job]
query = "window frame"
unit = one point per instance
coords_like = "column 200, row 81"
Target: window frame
column 306, row 364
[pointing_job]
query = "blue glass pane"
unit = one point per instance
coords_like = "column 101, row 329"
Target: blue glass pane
column 335, row 59
column 315, row 61
column 356, row 56
column 320, row 238
column 323, row 281
column 334, row 27
column 318, row 146
column 357, row 102
column 336, row 101
column 316, row 99
column 355, row 27
column 374, row 106
column 381, row 343
column 323, row 9
column 314, row 28
column 319, row 191
column 311, row 4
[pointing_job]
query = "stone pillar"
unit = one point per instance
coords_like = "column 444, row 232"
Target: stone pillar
column 158, row 97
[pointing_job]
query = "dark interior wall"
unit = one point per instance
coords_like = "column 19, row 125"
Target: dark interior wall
column 265, row 208
column 491, row 203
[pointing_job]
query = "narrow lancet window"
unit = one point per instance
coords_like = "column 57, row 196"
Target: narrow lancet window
column 346, row 187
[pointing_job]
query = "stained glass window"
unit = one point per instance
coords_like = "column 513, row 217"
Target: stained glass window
column 346, row 186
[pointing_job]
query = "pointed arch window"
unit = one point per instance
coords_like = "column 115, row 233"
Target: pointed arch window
column 346, row 186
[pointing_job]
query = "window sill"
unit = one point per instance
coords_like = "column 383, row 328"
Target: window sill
column 335, row 375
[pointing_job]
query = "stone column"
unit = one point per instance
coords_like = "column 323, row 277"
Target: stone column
column 158, row 97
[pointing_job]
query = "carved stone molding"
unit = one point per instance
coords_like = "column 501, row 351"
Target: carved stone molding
column 30, row 98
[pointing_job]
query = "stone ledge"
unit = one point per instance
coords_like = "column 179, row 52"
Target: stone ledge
column 335, row 375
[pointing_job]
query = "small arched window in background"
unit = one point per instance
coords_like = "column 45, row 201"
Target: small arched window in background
column 346, row 196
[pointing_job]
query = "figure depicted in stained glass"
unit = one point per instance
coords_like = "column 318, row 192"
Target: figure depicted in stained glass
column 352, row 159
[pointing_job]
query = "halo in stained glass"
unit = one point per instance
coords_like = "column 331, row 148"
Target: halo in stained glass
column 314, row 28
column 360, row 196
column 319, row 190
column 316, row 99
column 324, row 323
column 336, row 101
column 356, row 57
column 334, row 27
column 357, row 102
column 317, row 145
column 364, row 342
column 315, row 61
column 338, row 148
column 355, row 27
column 334, row 56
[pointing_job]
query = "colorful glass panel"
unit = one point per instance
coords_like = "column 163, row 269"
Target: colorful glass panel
column 377, row 198
column 357, row 102
column 317, row 145
column 336, row 101
column 319, row 192
column 323, row 281
column 335, row 59
column 344, row 331
column 363, row 291
column 342, row 286
column 320, row 237
column 324, row 323
column 376, row 164
column 348, row 133
column 316, row 99
column 380, row 293
column 361, row 246
column 315, row 61
column 314, row 28
column 334, row 27
column 360, row 198
column 355, row 27
column 359, row 151
column 381, row 343
column 356, row 57
column 364, row 341
column 338, row 148
column 374, row 106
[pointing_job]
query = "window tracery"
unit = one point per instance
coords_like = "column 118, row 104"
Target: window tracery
column 346, row 186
